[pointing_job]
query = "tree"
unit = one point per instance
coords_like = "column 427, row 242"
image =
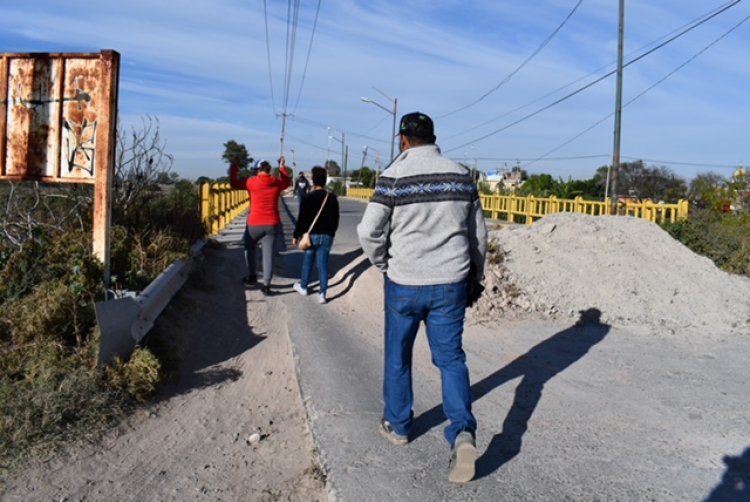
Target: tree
column 592, row 189
column 656, row 183
column 167, row 178
column 236, row 153
column 141, row 160
column 538, row 185
column 333, row 168
column 366, row 176
column 565, row 189
column 709, row 191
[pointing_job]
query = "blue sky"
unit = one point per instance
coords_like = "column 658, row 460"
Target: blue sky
column 202, row 68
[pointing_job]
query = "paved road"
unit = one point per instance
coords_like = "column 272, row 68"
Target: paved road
column 566, row 411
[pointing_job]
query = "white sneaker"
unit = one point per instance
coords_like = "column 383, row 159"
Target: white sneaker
column 299, row 289
column 322, row 299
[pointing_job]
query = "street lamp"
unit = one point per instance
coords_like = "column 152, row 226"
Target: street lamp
column 392, row 112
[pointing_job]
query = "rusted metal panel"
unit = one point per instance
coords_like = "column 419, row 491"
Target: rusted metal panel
column 103, row 162
column 3, row 111
column 53, row 106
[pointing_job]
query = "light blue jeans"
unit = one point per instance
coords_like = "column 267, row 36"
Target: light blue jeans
column 321, row 247
column 442, row 308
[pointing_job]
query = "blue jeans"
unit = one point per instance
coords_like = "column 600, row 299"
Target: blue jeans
column 442, row 308
column 321, row 247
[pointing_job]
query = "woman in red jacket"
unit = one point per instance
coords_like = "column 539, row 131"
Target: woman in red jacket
column 263, row 216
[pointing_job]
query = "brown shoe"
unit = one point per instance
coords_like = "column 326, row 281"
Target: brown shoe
column 463, row 458
column 386, row 430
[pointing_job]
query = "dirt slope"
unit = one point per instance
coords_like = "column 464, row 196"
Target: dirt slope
column 231, row 427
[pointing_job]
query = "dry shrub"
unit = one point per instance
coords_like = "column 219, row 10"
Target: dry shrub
column 495, row 254
column 137, row 377
column 53, row 311
column 49, row 395
column 143, row 256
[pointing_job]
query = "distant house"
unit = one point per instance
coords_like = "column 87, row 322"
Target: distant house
column 509, row 178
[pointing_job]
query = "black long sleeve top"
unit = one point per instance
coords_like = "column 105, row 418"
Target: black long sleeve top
column 327, row 223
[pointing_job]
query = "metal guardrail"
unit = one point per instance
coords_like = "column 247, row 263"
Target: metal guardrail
column 529, row 209
column 220, row 204
column 123, row 322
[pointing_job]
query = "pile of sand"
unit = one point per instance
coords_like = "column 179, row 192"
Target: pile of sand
column 630, row 269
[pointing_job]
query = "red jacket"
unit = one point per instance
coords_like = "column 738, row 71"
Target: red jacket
column 264, row 190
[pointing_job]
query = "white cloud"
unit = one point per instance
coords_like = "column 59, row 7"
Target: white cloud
column 202, row 67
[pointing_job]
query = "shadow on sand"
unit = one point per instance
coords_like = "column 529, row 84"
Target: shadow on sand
column 735, row 484
column 206, row 324
column 536, row 367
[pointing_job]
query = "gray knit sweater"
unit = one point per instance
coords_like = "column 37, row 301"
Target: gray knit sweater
column 424, row 224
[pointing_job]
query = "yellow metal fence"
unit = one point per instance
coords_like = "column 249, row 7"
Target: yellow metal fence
column 360, row 193
column 220, row 204
column 529, row 209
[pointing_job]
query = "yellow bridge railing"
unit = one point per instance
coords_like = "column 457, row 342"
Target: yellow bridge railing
column 529, row 209
column 220, row 204
column 359, row 193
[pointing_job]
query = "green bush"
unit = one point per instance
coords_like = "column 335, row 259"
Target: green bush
column 724, row 238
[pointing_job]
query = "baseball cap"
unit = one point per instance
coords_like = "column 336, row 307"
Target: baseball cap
column 417, row 124
column 260, row 163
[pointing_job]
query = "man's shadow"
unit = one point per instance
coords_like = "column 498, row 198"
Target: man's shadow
column 735, row 484
column 537, row 367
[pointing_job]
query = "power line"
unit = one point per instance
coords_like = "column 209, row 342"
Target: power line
column 291, row 38
column 594, row 72
column 348, row 133
column 642, row 93
column 526, row 61
column 681, row 163
column 581, row 89
column 559, row 89
column 307, row 143
column 309, row 51
column 268, row 53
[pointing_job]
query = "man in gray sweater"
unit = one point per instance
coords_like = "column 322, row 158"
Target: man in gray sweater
column 424, row 229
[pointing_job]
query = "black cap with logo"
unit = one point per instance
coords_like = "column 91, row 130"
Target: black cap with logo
column 417, row 124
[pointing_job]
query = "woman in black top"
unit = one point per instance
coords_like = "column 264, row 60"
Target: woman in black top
column 321, row 234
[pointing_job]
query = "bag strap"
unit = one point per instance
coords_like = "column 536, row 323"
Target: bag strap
column 318, row 215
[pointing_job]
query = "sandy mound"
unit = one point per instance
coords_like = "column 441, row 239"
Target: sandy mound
column 630, row 269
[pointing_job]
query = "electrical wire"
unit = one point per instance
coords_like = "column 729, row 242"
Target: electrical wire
column 524, row 63
column 591, row 84
column 309, row 51
column 291, row 40
column 642, row 93
column 348, row 133
column 594, row 72
column 268, row 53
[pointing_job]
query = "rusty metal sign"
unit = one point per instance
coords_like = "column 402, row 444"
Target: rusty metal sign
column 57, row 115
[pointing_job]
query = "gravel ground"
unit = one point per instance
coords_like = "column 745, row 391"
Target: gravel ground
column 634, row 272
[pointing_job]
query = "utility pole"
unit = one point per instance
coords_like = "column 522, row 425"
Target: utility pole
column 618, row 111
column 346, row 158
column 364, row 156
column 283, row 116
